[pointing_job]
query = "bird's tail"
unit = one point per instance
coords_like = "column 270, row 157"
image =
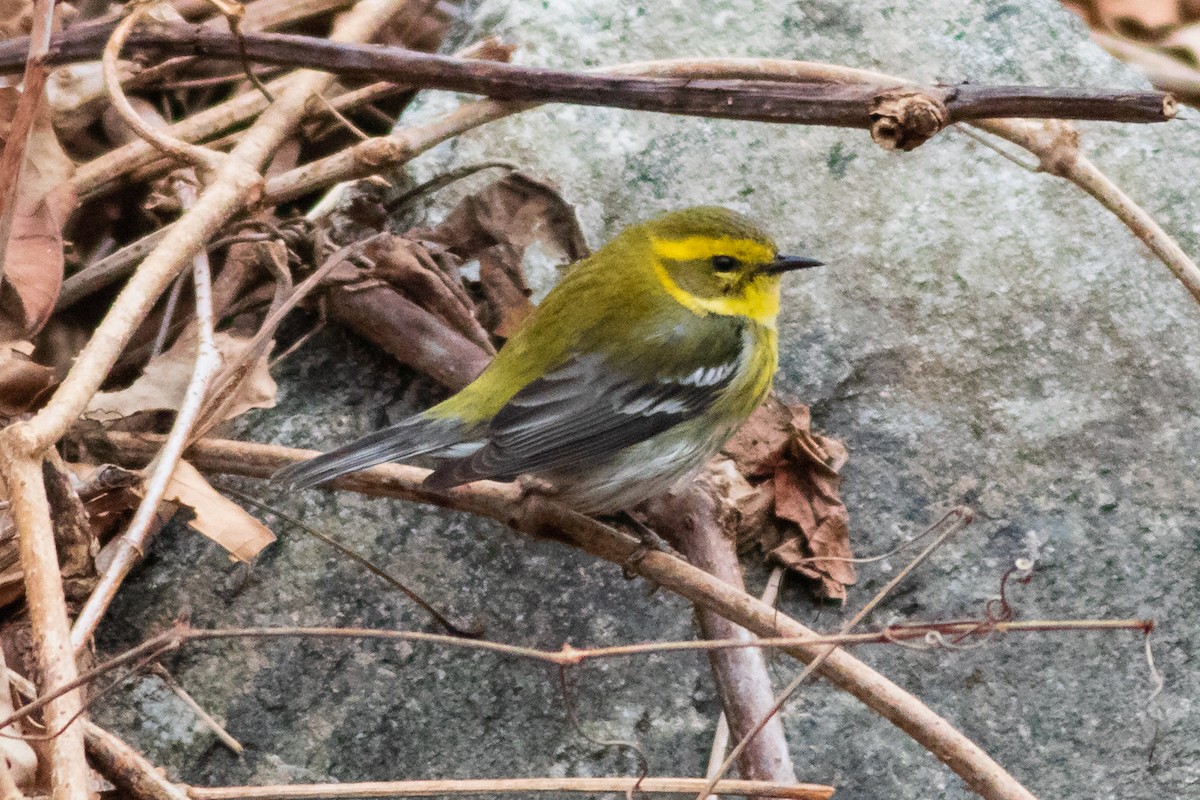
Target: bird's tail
column 415, row 436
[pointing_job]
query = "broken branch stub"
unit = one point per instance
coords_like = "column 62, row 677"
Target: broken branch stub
column 904, row 118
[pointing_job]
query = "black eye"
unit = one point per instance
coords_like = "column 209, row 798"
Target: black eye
column 724, row 263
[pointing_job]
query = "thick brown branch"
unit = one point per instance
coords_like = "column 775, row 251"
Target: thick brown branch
column 842, row 105
column 743, row 683
column 408, row 332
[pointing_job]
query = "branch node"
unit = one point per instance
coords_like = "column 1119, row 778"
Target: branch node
column 1060, row 148
column 903, row 118
column 381, row 151
column 20, row 440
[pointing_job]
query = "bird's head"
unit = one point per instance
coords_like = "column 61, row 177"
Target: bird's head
column 715, row 261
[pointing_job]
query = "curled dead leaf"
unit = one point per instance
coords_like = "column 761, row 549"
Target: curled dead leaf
column 22, row 381
column 431, row 280
column 787, row 503
column 216, row 516
column 497, row 225
column 164, row 381
column 33, row 264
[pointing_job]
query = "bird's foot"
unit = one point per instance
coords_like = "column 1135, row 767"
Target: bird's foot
column 529, row 486
column 648, row 541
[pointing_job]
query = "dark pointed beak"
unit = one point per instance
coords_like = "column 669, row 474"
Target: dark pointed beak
column 783, row 264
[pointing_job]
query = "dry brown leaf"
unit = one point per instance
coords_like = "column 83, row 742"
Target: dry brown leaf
column 22, row 381
column 164, row 381
column 217, row 517
column 790, row 506
column 496, row 225
column 1143, row 19
column 418, row 273
column 34, row 265
column 760, row 445
column 12, row 586
column 33, row 270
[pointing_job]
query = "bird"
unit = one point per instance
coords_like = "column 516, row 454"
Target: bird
column 631, row 373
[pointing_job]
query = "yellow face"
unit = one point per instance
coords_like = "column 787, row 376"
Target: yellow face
column 725, row 275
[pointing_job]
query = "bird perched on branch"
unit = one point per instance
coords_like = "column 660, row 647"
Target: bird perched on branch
column 634, row 370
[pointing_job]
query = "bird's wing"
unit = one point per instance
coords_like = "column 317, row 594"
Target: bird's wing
column 582, row 412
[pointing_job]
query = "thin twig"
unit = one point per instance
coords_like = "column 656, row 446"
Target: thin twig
column 160, row 672
column 200, row 157
column 348, row 791
column 812, row 104
column 439, row 182
column 570, row 656
column 437, row 616
column 931, row 633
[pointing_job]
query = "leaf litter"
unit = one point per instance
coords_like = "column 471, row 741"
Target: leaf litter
column 788, row 495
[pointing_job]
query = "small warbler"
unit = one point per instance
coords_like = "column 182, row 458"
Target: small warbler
column 634, row 370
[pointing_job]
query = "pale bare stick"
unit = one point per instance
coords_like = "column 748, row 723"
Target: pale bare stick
column 21, row 464
column 952, row 523
column 160, row 672
column 381, row 789
column 208, row 362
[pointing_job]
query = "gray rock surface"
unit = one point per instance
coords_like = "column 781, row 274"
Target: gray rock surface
column 983, row 334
